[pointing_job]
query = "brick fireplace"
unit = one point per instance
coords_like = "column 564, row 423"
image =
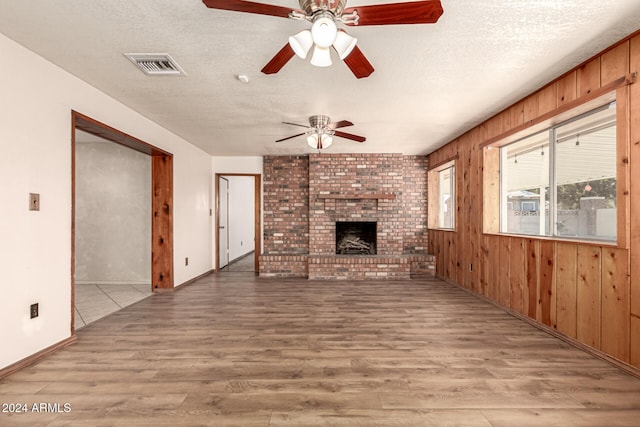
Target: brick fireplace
column 305, row 197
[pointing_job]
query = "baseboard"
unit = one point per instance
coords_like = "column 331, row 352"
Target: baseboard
column 632, row 370
column 36, row 356
column 190, row 281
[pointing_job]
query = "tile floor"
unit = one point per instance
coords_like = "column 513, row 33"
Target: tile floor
column 94, row 302
column 244, row 264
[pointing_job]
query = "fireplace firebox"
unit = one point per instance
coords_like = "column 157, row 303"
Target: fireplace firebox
column 356, row 238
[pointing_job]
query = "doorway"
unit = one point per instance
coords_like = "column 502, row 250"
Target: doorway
column 223, row 220
column 161, row 259
column 238, row 225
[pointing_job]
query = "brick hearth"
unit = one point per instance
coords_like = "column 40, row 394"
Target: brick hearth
column 305, row 196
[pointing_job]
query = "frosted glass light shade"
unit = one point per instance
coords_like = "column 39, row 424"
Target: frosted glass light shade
column 327, row 140
column 321, row 56
column 312, row 140
column 344, row 44
column 324, row 31
column 301, row 43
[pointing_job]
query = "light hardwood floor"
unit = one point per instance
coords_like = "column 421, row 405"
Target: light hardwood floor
column 235, row 350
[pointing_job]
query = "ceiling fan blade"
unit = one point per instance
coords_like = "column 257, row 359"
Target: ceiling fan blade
column 351, row 136
column 358, row 63
column 340, row 124
column 414, row 12
column 290, row 137
column 296, row 124
column 279, row 61
column 250, row 7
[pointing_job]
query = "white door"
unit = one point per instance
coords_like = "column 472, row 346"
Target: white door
column 223, row 222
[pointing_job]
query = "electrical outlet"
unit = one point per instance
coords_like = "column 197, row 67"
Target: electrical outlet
column 34, row 201
column 34, row 310
column 186, row 261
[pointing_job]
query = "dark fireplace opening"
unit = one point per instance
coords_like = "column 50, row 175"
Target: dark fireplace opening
column 356, row 238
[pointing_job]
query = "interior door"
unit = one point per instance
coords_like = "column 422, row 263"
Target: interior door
column 223, row 222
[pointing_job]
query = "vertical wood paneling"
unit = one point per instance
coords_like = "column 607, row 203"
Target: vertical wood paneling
column 530, row 110
column 464, row 207
column 504, row 285
column 531, row 274
column 588, row 77
column 634, row 173
column 615, row 303
column 491, row 191
column 485, row 264
column 586, row 292
column 447, row 255
column 453, row 256
column 162, row 222
column 517, row 262
column 622, row 166
column 615, row 63
column 566, row 279
column 588, row 295
column 517, row 114
column 440, row 253
column 547, row 99
column 634, row 358
column 566, row 89
column 546, row 312
column 432, row 204
column 478, row 135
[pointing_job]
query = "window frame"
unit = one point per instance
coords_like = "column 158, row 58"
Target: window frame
column 434, row 196
column 551, row 133
column 615, row 90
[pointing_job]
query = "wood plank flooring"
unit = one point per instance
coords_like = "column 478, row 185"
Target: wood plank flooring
column 235, row 350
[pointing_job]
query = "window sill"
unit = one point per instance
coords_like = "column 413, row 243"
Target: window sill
column 559, row 239
column 442, row 229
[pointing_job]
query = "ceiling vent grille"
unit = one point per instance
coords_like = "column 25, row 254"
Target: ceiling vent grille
column 156, row 64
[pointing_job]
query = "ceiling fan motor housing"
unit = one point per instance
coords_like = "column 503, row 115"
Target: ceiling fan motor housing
column 319, row 121
column 313, row 6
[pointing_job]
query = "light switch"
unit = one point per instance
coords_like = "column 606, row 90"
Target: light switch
column 34, row 201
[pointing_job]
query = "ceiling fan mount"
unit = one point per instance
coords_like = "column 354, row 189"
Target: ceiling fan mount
column 321, row 130
column 325, row 34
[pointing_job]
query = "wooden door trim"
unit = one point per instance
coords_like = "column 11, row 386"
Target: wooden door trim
column 257, row 221
column 162, row 200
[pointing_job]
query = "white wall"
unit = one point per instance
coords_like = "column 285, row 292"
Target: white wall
column 231, row 165
column 35, row 247
column 241, row 215
column 113, row 214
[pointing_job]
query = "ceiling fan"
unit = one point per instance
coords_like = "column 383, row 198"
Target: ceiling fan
column 321, row 131
column 324, row 33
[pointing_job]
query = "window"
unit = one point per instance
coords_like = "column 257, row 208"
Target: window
column 562, row 181
column 441, row 194
column 446, row 180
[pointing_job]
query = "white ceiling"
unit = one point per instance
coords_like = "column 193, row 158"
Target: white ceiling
column 432, row 82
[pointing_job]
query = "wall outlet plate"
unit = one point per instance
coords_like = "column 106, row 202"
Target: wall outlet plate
column 34, row 310
column 34, row 201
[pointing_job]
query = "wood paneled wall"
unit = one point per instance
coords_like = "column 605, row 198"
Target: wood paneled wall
column 585, row 291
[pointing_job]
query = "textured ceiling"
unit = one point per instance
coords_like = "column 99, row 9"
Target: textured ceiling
column 432, row 82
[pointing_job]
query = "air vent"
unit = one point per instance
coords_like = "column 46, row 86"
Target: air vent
column 156, row 64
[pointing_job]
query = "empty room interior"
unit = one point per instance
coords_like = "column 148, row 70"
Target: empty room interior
column 320, row 213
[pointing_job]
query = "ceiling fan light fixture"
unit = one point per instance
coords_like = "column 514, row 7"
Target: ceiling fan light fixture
column 301, row 43
column 324, row 30
column 344, row 44
column 327, row 140
column 321, row 57
column 312, row 140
